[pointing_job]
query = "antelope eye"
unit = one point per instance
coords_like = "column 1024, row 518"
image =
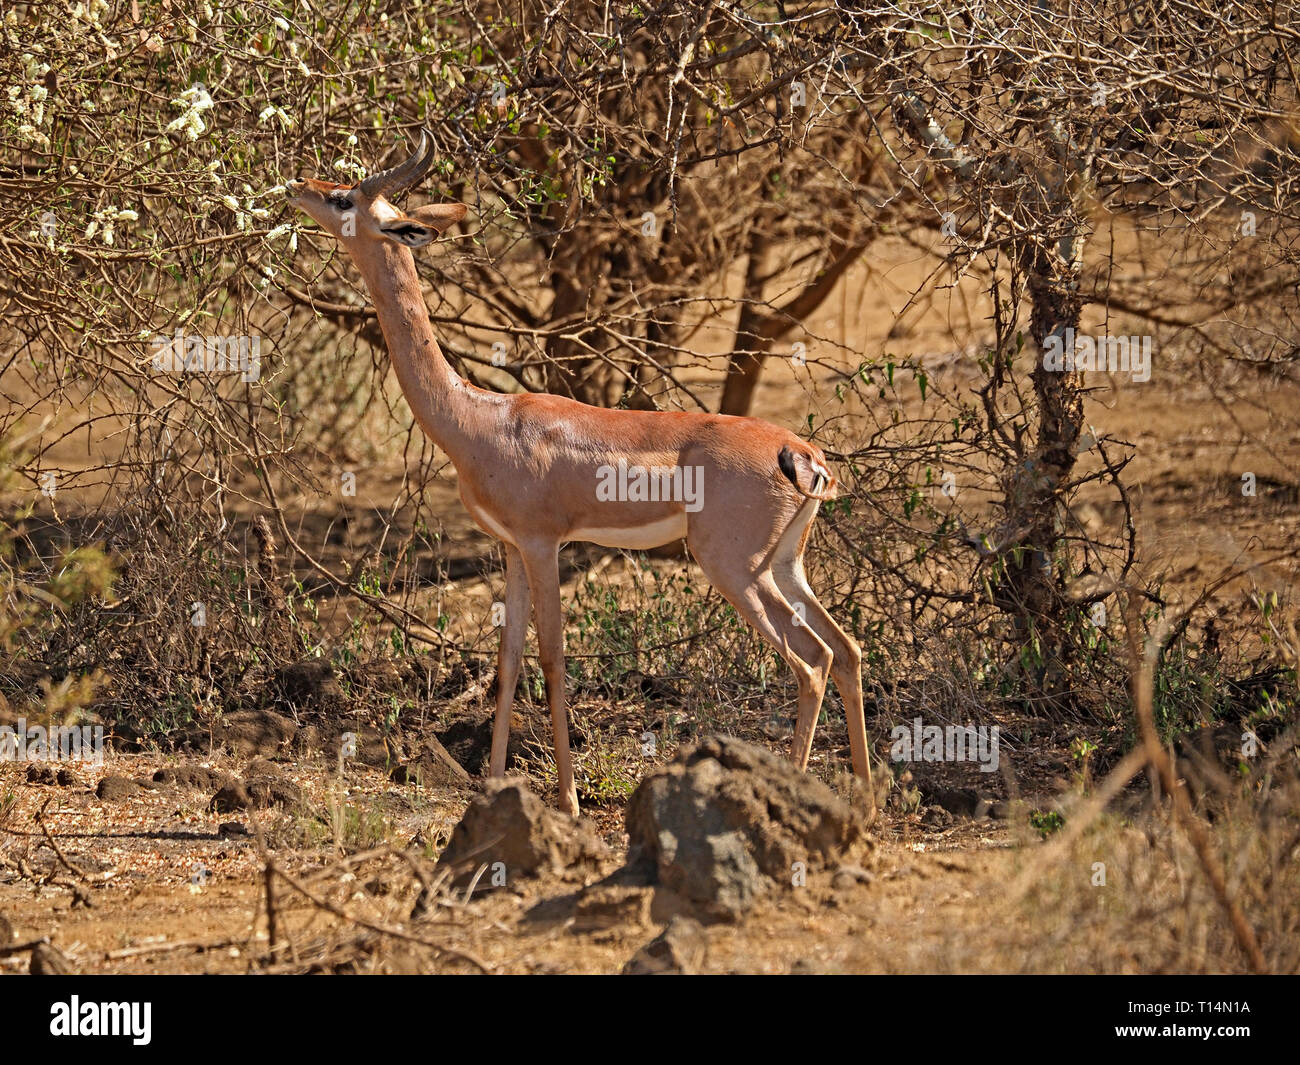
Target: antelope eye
column 341, row 202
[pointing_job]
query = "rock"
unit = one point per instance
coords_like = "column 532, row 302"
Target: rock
column 253, row 732
column 511, row 825
column 48, row 960
column 191, row 776
column 679, row 950
column 725, row 821
column 115, row 788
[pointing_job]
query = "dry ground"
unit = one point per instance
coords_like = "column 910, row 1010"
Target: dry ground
column 170, row 890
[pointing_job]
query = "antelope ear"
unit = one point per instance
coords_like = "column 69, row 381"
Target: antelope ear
column 440, row 217
column 419, row 227
column 406, row 230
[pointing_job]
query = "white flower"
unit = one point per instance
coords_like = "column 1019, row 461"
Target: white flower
column 33, row 135
column 195, row 100
column 276, row 113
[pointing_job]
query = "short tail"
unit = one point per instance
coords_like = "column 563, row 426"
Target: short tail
column 806, row 468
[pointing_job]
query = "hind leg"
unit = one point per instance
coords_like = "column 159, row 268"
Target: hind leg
column 846, row 665
column 753, row 591
column 803, row 650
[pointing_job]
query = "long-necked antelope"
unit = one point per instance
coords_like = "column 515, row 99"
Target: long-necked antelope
column 535, row 471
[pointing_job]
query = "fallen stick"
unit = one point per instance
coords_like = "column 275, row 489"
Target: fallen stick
column 179, row 944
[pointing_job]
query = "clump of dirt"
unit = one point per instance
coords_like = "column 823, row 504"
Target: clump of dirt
column 468, row 738
column 609, row 905
column 308, row 685
column 725, row 821
column 430, row 766
column 197, row 777
column 510, row 825
column 254, row 732
column 263, row 785
column 52, row 776
column 113, row 788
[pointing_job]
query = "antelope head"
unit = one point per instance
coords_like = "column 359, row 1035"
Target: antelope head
column 361, row 214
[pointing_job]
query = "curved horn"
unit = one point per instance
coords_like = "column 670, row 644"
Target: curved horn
column 404, row 175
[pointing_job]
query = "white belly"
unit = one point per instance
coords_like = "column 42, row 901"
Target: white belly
column 489, row 523
column 636, row 537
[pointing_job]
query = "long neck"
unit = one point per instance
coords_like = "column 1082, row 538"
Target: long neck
column 442, row 403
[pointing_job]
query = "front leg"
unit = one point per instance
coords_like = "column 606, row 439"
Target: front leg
column 513, row 634
column 541, row 561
